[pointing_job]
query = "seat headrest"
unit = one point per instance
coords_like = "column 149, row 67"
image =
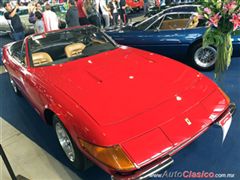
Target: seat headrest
column 41, row 58
column 194, row 22
column 74, row 49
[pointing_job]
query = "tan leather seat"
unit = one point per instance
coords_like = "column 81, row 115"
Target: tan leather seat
column 41, row 58
column 174, row 24
column 74, row 49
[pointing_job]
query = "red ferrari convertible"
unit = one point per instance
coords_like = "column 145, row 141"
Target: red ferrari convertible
column 127, row 110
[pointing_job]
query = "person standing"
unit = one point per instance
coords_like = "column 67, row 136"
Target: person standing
column 38, row 26
column 158, row 3
column 15, row 23
column 113, row 5
column 50, row 19
column 92, row 10
column 122, row 11
column 82, row 13
column 38, row 7
column 105, row 13
column 146, row 5
column 72, row 14
column 31, row 12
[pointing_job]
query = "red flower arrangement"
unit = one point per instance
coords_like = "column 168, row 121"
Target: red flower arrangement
column 223, row 18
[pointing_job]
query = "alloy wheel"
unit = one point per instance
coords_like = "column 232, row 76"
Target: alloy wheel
column 65, row 141
column 205, row 57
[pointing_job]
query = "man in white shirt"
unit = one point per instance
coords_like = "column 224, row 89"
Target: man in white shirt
column 50, row 19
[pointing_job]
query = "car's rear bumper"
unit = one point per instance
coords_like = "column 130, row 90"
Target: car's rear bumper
column 163, row 163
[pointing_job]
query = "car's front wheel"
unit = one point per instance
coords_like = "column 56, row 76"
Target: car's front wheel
column 203, row 58
column 73, row 154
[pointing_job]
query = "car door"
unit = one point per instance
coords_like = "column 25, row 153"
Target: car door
column 168, row 36
column 24, row 75
column 16, row 66
column 32, row 85
column 131, row 35
column 157, row 37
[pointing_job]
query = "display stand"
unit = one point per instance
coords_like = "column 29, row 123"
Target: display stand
column 9, row 168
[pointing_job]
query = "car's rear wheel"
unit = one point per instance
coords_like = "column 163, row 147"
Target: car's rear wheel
column 14, row 86
column 73, row 154
column 203, row 58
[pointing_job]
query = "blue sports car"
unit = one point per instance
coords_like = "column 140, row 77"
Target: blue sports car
column 175, row 32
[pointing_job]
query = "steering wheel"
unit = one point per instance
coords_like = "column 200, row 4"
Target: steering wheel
column 87, row 41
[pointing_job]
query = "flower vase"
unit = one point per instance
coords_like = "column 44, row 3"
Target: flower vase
column 224, row 53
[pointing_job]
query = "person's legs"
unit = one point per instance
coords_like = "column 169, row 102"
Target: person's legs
column 107, row 20
column 125, row 17
column 91, row 20
column 115, row 19
column 145, row 8
column 18, row 36
column 15, row 37
column 121, row 13
column 95, row 20
column 83, row 21
column 22, row 35
column 1, row 62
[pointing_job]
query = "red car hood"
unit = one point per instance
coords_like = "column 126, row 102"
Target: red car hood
column 116, row 86
column 128, row 88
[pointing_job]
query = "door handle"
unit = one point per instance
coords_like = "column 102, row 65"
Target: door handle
column 170, row 40
column 119, row 39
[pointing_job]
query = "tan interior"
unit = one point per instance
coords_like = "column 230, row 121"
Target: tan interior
column 174, row 23
column 97, row 41
column 74, row 49
column 41, row 58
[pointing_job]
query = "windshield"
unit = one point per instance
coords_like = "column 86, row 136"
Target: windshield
column 177, row 9
column 145, row 24
column 67, row 45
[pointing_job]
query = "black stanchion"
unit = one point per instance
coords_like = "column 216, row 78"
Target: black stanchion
column 9, row 168
column 6, row 162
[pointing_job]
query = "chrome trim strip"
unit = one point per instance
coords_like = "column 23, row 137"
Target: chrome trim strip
column 153, row 171
column 188, row 141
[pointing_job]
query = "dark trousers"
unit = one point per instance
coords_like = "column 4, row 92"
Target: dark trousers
column 115, row 19
column 95, row 20
column 83, row 21
column 18, row 36
column 1, row 63
column 123, row 15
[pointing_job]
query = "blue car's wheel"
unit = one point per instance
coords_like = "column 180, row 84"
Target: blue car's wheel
column 203, row 58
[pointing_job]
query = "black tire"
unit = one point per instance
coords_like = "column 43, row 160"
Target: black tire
column 14, row 87
column 198, row 62
column 79, row 161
